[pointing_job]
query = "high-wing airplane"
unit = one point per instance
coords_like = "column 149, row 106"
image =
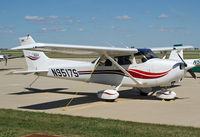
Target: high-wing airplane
column 139, row 68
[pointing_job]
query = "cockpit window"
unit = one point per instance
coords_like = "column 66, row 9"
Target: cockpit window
column 105, row 62
column 148, row 53
column 123, row 60
column 145, row 54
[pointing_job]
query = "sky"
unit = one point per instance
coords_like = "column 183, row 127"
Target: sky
column 119, row 23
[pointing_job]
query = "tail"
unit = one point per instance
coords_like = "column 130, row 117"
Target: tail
column 26, row 43
column 36, row 60
column 26, row 40
column 174, row 54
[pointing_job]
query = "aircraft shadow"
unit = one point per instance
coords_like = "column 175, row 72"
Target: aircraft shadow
column 87, row 97
column 35, row 91
column 61, row 103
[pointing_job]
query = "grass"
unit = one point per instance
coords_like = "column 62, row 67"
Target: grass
column 15, row 123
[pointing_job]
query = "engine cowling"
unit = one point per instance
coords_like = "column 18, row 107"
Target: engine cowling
column 109, row 94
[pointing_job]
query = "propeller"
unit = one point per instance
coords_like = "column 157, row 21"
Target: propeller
column 192, row 73
column 189, row 70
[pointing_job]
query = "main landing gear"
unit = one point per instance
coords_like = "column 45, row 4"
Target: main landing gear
column 112, row 94
column 109, row 94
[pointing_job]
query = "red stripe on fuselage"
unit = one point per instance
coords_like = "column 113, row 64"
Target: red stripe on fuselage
column 149, row 73
column 135, row 73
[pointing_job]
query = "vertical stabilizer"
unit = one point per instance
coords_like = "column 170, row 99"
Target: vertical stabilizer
column 36, row 60
column 26, row 40
column 174, row 54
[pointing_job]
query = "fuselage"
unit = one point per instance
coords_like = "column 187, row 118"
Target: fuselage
column 154, row 72
column 195, row 62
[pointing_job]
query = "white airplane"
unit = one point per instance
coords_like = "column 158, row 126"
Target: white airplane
column 6, row 58
column 138, row 68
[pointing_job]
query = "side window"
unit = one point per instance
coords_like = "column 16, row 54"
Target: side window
column 108, row 63
column 123, row 60
column 105, row 62
column 140, row 58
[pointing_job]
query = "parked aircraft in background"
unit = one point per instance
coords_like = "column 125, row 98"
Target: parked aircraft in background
column 177, row 54
column 6, row 58
column 139, row 68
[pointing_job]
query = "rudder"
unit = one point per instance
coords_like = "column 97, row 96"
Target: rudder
column 174, row 54
column 26, row 40
column 36, row 60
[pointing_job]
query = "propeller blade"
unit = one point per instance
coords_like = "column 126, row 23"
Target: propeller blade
column 192, row 73
column 189, row 70
column 182, row 60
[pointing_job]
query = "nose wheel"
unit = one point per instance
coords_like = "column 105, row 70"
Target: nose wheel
column 166, row 94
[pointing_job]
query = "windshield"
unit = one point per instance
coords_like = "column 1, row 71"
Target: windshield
column 148, row 53
column 144, row 54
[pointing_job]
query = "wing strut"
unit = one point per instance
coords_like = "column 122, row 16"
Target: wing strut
column 121, row 68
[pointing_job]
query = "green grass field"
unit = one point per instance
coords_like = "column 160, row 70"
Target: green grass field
column 15, row 123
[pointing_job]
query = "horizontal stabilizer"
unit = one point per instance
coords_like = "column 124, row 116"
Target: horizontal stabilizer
column 26, row 72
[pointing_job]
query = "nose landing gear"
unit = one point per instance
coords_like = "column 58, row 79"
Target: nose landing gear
column 166, row 94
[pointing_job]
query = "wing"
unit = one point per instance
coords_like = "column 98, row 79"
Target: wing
column 171, row 48
column 73, row 49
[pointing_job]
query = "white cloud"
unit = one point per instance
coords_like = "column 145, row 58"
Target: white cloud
column 68, row 17
column 113, row 27
column 53, row 17
column 147, row 12
column 92, row 19
column 150, row 26
column 124, row 17
column 78, row 21
column 166, row 29
column 3, row 11
column 70, row 21
column 162, row 16
column 169, row 29
column 53, row 29
column 37, row 18
column 6, row 31
column 44, row 29
column 80, row 29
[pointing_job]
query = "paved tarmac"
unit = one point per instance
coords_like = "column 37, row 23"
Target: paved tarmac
column 52, row 95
